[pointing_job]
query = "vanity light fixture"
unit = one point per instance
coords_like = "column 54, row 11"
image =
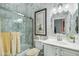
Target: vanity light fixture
column 60, row 7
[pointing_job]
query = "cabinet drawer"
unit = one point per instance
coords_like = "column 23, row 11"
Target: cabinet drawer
column 67, row 52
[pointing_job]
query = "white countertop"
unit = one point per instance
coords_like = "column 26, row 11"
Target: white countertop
column 64, row 44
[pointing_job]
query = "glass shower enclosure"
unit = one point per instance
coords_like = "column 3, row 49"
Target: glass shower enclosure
column 12, row 22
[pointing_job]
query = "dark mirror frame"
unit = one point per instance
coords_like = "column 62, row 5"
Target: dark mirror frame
column 45, row 33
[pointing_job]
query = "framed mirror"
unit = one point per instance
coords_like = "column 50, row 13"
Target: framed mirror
column 41, row 22
column 60, row 22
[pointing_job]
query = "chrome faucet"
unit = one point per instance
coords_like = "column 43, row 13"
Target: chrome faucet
column 59, row 38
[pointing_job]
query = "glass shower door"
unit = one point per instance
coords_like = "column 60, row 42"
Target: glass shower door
column 11, row 22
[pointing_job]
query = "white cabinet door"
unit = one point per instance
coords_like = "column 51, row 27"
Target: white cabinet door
column 49, row 50
column 58, row 51
column 67, row 52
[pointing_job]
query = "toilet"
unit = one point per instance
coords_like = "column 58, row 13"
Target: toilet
column 33, row 52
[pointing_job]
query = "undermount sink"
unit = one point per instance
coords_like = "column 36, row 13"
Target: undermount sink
column 61, row 42
column 55, row 41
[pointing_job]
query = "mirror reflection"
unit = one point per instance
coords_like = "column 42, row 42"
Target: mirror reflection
column 59, row 25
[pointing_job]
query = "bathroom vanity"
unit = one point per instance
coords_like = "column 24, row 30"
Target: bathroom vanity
column 65, row 23
column 53, row 47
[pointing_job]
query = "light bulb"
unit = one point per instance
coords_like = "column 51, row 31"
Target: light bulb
column 59, row 7
column 67, row 6
column 54, row 10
